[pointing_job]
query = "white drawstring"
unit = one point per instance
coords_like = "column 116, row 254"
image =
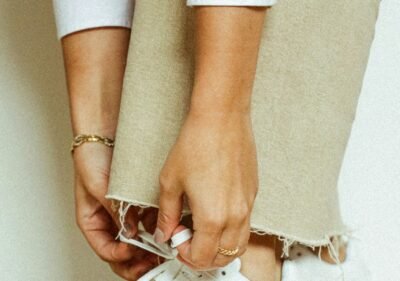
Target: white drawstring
column 173, row 266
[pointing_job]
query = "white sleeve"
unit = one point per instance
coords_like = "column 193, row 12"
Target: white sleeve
column 230, row 2
column 75, row 15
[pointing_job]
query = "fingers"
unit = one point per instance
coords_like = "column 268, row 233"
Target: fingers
column 107, row 248
column 231, row 240
column 93, row 176
column 201, row 253
column 169, row 213
column 98, row 221
column 204, row 246
column 184, row 250
column 149, row 219
column 133, row 269
column 99, row 229
column 130, row 219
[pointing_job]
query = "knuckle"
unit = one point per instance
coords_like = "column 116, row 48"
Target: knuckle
column 167, row 192
column 102, row 257
column 165, row 181
column 101, row 254
column 214, row 223
column 239, row 213
column 105, row 255
column 167, row 186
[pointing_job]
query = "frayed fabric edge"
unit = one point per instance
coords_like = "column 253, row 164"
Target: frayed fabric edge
column 290, row 240
column 332, row 241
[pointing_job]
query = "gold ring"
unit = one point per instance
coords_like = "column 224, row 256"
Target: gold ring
column 228, row 252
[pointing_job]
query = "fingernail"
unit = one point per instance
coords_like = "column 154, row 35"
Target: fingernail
column 158, row 236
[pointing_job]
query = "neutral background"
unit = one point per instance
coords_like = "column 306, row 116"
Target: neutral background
column 38, row 236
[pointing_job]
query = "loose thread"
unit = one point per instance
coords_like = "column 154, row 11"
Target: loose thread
column 333, row 253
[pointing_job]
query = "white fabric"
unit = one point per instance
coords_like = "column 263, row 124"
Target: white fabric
column 172, row 268
column 181, row 237
column 147, row 243
column 369, row 184
column 304, row 265
column 75, row 15
column 230, row 2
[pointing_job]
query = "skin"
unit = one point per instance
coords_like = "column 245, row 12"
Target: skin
column 214, row 154
column 95, row 63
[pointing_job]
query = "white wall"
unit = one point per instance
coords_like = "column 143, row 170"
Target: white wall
column 370, row 178
column 38, row 236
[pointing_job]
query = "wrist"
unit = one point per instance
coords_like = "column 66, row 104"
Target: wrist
column 94, row 113
column 224, row 103
column 218, row 119
column 94, row 129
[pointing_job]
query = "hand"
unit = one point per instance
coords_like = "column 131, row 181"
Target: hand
column 96, row 219
column 213, row 163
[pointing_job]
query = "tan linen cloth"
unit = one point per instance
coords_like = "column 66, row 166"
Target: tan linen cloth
column 311, row 63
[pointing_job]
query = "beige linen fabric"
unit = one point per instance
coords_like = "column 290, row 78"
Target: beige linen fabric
column 309, row 74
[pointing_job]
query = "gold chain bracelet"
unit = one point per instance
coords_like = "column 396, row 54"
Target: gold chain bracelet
column 82, row 138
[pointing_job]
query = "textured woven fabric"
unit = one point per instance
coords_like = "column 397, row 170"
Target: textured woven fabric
column 311, row 63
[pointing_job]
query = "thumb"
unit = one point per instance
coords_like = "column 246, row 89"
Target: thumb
column 169, row 215
column 130, row 219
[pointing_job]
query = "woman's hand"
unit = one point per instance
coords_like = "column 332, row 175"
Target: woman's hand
column 96, row 219
column 213, row 163
column 95, row 63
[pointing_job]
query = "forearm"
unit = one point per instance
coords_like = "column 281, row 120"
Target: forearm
column 95, row 62
column 226, row 52
column 215, row 151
